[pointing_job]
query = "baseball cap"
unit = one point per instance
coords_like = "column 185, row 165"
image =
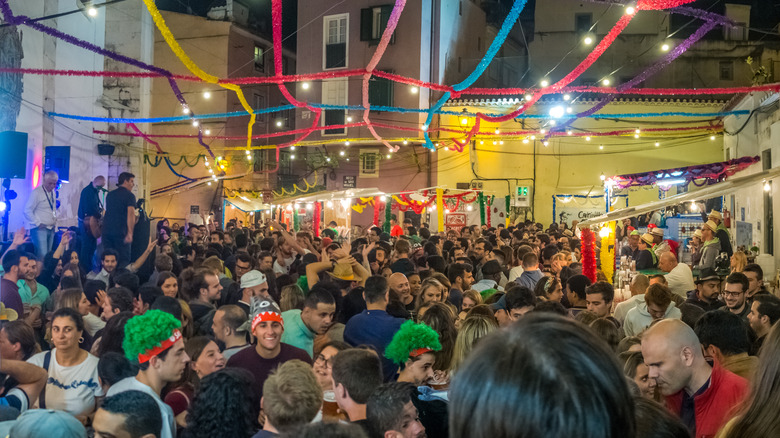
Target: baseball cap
column 43, row 423
column 252, row 278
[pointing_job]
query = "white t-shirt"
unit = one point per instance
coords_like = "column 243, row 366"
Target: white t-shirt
column 132, row 384
column 515, row 272
column 93, row 324
column 281, row 270
column 71, row 389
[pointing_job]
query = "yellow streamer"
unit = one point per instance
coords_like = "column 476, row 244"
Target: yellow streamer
column 159, row 21
column 297, row 189
column 440, row 209
column 607, row 254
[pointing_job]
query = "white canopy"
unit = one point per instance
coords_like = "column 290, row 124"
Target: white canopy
column 337, row 195
column 246, row 204
column 714, row 190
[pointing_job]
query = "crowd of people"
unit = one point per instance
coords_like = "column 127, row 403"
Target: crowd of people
column 263, row 331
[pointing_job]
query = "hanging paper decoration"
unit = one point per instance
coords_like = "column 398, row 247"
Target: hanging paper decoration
column 439, row 210
column 388, row 215
column 507, row 200
column 377, row 206
column 588, row 240
column 317, row 218
column 489, row 203
column 481, row 198
column 608, row 252
column 710, row 173
column 296, row 220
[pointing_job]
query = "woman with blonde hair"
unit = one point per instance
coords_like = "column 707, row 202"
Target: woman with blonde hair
column 291, row 298
column 431, row 290
column 471, row 331
column 471, row 298
column 738, row 262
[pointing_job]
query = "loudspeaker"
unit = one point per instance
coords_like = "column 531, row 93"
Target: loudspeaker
column 57, row 158
column 105, row 149
column 13, row 150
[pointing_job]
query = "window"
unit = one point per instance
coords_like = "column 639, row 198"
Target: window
column 259, row 59
column 369, row 167
column 583, row 23
column 260, row 104
column 335, row 41
column 373, row 22
column 380, row 91
column 726, row 70
column 334, row 92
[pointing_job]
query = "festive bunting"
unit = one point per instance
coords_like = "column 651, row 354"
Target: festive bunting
column 377, row 206
column 588, row 241
column 481, row 198
column 439, row 209
column 710, row 173
column 608, row 252
column 297, row 189
column 388, row 215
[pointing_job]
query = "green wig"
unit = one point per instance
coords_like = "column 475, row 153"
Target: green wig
column 147, row 331
column 411, row 337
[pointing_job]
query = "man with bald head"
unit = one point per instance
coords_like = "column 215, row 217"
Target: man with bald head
column 90, row 212
column 40, row 214
column 702, row 395
column 679, row 277
column 399, row 285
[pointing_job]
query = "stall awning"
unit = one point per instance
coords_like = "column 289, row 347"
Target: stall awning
column 337, row 195
column 712, row 191
column 246, row 204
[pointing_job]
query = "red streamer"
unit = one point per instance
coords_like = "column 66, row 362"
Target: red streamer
column 377, row 206
column 589, row 254
column 317, row 219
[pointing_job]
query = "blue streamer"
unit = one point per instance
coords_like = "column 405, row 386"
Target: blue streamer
column 170, row 166
column 495, row 46
column 392, row 109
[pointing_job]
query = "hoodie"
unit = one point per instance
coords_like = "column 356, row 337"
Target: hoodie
column 638, row 318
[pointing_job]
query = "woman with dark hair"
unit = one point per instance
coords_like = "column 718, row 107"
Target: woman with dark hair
column 73, row 384
column 758, row 416
column 655, row 421
column 169, row 284
column 634, row 368
column 559, row 380
column 440, row 318
column 223, row 406
column 549, row 288
column 205, row 358
column 112, row 335
column 17, row 341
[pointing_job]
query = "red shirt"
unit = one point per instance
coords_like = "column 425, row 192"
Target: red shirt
column 716, row 405
column 396, row 231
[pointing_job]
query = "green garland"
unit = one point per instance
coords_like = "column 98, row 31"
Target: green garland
column 296, row 221
column 508, row 206
column 481, row 198
column 388, row 215
column 156, row 160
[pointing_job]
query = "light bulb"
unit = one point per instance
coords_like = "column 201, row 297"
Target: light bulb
column 604, row 232
column 588, row 40
column 603, row 177
column 712, row 137
column 587, row 138
column 292, row 156
column 767, row 187
column 406, row 142
column 546, row 143
column 413, row 90
column 195, row 123
column 665, row 47
column 566, row 97
column 630, row 10
column 208, row 183
column 544, row 83
column 346, row 143
column 528, row 97
column 279, row 123
column 185, row 110
column 327, row 159
column 207, row 95
column 292, row 148
column 349, row 119
column 383, row 198
column 207, row 132
column 606, row 82
column 305, row 85
column 601, row 147
column 92, row 12
column 341, row 153
column 657, row 144
column 424, row 128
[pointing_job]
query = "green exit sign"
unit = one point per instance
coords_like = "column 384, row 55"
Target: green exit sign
column 522, row 191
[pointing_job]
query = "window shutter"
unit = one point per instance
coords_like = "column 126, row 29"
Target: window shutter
column 385, row 18
column 365, row 24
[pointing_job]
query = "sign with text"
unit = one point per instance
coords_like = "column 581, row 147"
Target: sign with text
column 194, row 209
column 349, row 182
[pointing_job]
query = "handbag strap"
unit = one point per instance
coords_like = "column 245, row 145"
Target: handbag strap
column 46, row 362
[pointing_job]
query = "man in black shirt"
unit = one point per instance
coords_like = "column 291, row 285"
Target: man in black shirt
column 119, row 220
column 90, row 211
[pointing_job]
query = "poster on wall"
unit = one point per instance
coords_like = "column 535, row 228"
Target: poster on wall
column 568, row 213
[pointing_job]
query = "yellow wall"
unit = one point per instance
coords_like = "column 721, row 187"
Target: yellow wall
column 572, row 165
